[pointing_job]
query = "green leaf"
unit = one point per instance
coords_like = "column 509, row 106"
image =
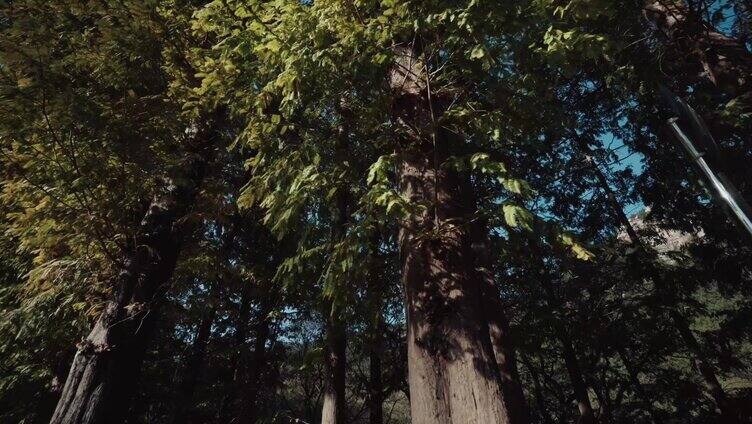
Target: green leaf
column 516, row 216
column 478, row 52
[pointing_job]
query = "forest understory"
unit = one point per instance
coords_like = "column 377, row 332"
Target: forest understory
column 375, row 211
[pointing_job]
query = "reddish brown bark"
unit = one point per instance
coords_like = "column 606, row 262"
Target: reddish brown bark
column 498, row 325
column 453, row 373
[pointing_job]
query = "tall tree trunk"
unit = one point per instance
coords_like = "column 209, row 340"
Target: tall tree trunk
column 703, row 367
column 571, row 362
column 237, row 365
column 375, row 382
column 498, row 325
column 333, row 410
column 193, row 365
column 453, row 373
column 576, row 379
column 375, row 337
column 107, row 364
column 538, row 391
column 635, row 380
column 249, row 411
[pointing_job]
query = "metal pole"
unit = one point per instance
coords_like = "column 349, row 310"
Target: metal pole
column 717, row 185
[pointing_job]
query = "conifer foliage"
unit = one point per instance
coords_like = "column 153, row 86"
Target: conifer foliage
column 371, row 211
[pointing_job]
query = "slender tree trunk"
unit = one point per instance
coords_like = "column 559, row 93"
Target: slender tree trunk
column 635, row 380
column 193, row 365
column 237, row 366
column 703, row 367
column 375, row 338
column 576, row 379
column 107, row 364
column 538, row 391
column 666, row 294
column 453, row 373
column 571, row 362
column 375, row 383
column 249, row 411
column 333, row 410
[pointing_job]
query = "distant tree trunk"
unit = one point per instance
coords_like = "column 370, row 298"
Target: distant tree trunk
column 704, row 368
column 333, row 410
column 576, row 378
column 106, row 367
column 249, row 411
column 193, row 365
column 635, row 380
column 666, row 294
column 571, row 362
column 375, row 338
column 375, row 383
column 237, row 365
column 538, row 391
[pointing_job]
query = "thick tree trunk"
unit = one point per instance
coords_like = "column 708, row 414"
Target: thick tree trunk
column 193, row 366
column 107, row 364
column 333, row 410
column 250, row 408
column 498, row 325
column 453, row 373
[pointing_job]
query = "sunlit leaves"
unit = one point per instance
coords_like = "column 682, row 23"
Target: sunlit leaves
column 517, row 217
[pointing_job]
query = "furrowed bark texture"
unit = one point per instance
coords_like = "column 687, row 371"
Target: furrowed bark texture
column 453, row 373
column 498, row 325
column 107, row 364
